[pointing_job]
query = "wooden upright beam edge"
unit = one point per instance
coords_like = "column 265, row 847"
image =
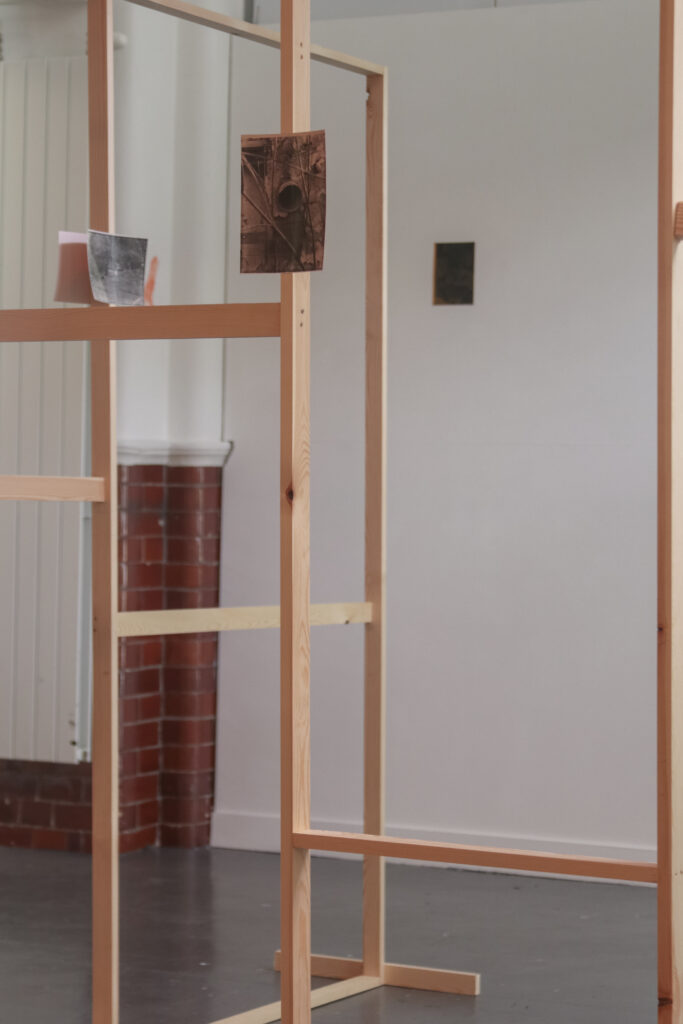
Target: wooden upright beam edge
column 52, row 488
column 100, row 323
column 256, row 33
column 426, row 979
column 477, row 856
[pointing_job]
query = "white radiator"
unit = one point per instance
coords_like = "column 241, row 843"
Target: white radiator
column 43, row 187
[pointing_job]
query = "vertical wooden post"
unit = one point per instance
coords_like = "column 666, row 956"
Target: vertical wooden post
column 670, row 521
column 105, row 768
column 295, row 902
column 375, row 515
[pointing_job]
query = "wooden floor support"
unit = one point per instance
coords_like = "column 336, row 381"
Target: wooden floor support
column 427, row 979
column 476, row 856
column 319, row 997
column 172, row 621
column 52, row 488
column 95, row 323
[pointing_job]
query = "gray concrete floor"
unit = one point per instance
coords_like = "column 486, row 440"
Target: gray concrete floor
column 198, row 931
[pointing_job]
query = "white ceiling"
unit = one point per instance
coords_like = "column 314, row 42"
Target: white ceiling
column 268, row 11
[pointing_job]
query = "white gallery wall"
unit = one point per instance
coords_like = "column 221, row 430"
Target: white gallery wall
column 521, row 479
column 172, row 123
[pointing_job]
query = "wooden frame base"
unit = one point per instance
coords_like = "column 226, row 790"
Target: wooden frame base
column 353, row 986
column 426, row 979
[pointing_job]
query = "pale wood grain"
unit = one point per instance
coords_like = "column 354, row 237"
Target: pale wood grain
column 427, row 979
column 105, row 720
column 295, row 557
column 99, row 323
column 319, row 997
column 52, row 488
column 256, row 33
column 670, row 520
column 172, row 622
column 476, row 856
column 375, row 516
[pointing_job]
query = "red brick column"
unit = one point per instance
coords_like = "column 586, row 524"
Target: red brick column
column 142, row 556
column 191, row 662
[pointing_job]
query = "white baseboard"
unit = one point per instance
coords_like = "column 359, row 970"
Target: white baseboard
column 240, row 830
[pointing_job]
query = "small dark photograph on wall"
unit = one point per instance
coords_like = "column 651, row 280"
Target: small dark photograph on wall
column 454, row 274
column 283, row 203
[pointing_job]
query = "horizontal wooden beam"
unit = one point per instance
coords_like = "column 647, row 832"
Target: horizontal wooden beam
column 426, row 979
column 220, row 620
column 476, row 856
column 319, row 997
column 256, row 33
column 100, row 323
column 52, row 488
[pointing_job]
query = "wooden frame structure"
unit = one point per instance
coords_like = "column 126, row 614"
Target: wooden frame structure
column 290, row 321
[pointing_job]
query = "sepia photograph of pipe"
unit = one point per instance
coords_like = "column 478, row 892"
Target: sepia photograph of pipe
column 283, row 203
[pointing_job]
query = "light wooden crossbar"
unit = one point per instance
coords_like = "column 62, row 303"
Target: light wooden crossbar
column 427, row 979
column 256, row 33
column 476, row 856
column 170, row 622
column 52, row 488
column 319, row 997
column 96, row 323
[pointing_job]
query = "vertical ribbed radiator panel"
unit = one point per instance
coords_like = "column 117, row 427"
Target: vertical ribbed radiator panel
column 43, row 187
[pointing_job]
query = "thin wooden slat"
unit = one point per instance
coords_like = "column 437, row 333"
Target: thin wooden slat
column 476, row 856
column 426, row 979
column 97, row 323
column 52, row 488
column 670, row 520
column 256, row 33
column 375, row 517
column 319, row 997
column 105, row 722
column 173, row 622
column 295, row 557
